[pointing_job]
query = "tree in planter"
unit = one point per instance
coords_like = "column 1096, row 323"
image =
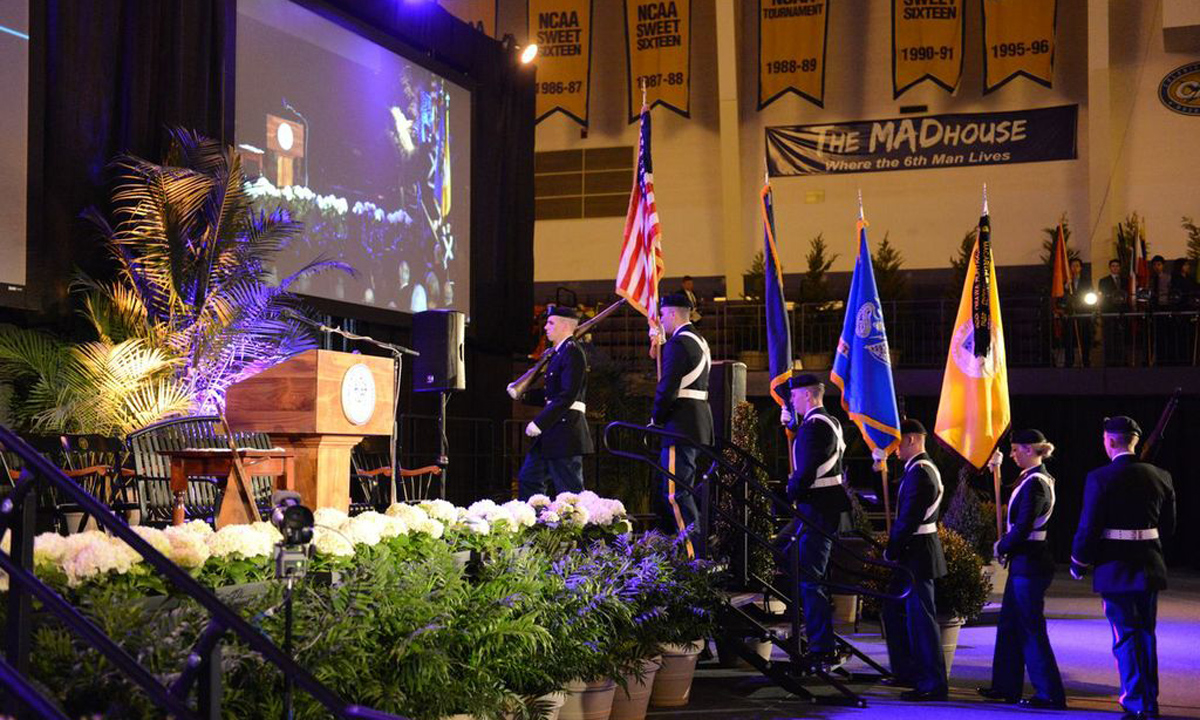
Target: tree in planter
column 1193, row 246
column 959, row 263
column 963, row 591
column 967, row 515
column 1051, row 233
column 815, row 288
column 754, row 279
column 889, row 279
column 745, row 429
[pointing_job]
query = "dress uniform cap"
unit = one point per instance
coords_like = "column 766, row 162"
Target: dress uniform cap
column 1029, row 436
column 908, row 426
column 677, row 300
column 803, row 380
column 562, row 311
column 1122, row 424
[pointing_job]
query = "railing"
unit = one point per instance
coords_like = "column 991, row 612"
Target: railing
column 201, row 669
column 919, row 333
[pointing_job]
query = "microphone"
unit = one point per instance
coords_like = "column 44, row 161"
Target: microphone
column 291, row 314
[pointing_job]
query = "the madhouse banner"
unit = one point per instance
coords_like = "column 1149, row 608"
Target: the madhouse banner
column 920, row 143
column 791, row 49
column 927, row 43
column 562, row 30
column 658, row 45
column 480, row 14
column 1018, row 39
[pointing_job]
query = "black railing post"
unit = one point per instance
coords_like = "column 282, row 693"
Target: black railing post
column 18, row 512
column 796, row 595
column 209, row 690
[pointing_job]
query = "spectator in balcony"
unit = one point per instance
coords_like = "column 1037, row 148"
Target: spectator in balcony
column 1114, row 298
column 688, row 289
column 1078, row 336
column 1160, row 284
column 1184, row 290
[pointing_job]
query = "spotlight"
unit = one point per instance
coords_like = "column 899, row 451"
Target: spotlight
column 529, row 53
column 1090, row 298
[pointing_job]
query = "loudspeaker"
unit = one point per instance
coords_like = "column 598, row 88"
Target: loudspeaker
column 726, row 388
column 438, row 336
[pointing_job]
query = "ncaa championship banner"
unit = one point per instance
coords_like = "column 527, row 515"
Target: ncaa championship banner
column 922, row 143
column 927, row 43
column 658, row 45
column 791, row 49
column 1018, row 39
column 562, row 30
column 480, row 14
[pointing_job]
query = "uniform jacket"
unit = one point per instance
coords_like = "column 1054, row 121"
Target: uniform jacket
column 815, row 443
column 564, row 431
column 1031, row 500
column 917, row 503
column 690, row 417
column 1129, row 495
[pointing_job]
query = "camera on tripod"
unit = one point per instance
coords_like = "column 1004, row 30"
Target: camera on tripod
column 295, row 522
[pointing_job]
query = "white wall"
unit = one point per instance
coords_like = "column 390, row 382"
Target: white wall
column 1152, row 164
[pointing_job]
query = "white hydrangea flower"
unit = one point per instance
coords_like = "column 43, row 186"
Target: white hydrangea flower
column 429, row 526
column 477, row 525
column 49, row 549
column 521, row 513
column 330, row 518
column 440, row 510
column 567, row 497
column 197, row 527
column 539, row 501
column 549, row 517
column 331, row 542
column 269, row 530
column 157, row 538
column 485, row 509
column 410, row 514
column 96, row 554
column 364, row 529
column 240, row 540
column 188, row 549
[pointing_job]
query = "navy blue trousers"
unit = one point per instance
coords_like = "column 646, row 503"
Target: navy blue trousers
column 1133, row 616
column 914, row 640
column 677, row 506
column 564, row 473
column 1022, row 642
column 814, row 549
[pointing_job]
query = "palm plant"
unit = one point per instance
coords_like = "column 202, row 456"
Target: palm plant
column 194, row 305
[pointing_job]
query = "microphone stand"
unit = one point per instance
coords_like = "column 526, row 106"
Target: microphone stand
column 397, row 352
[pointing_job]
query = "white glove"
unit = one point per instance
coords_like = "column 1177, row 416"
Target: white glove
column 996, row 460
column 785, row 416
column 879, row 455
column 996, row 549
column 532, row 430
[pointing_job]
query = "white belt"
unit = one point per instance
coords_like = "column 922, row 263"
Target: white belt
column 926, row 529
column 579, row 405
column 693, row 394
column 1148, row 534
column 827, row 481
column 1037, row 535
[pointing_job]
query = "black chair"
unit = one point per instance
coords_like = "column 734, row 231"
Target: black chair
column 97, row 463
column 50, row 515
column 371, row 473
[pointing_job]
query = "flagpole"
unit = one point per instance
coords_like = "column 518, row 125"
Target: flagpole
column 882, row 462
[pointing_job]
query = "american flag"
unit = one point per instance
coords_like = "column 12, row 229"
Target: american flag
column 641, row 251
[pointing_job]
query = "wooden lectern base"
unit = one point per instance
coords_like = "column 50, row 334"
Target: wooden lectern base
column 322, row 468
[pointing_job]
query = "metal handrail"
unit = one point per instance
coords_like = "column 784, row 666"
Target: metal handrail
column 223, row 619
column 716, row 455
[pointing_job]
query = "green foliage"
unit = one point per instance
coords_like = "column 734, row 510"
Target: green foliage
column 1128, row 234
column 970, row 517
column 194, row 306
column 963, row 591
column 754, row 281
column 815, row 287
column 889, row 279
column 745, row 434
column 1051, row 233
column 1193, row 246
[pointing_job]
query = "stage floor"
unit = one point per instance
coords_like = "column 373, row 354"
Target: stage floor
column 1082, row 643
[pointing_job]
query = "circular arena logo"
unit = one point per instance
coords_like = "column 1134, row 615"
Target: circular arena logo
column 1180, row 89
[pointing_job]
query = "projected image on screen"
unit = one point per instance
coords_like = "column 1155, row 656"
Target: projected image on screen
column 369, row 150
column 14, row 142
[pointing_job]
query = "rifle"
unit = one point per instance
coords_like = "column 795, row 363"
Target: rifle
column 1150, row 447
column 517, row 388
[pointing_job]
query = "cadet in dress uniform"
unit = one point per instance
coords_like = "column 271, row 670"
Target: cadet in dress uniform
column 560, row 429
column 914, row 641
column 1021, row 639
column 815, row 488
column 1128, row 507
column 681, row 406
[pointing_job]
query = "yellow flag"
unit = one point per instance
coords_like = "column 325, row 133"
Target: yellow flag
column 791, row 49
column 927, row 43
column 563, row 31
column 974, row 413
column 1018, row 39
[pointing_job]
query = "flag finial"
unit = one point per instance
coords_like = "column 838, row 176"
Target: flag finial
column 860, row 205
column 985, row 207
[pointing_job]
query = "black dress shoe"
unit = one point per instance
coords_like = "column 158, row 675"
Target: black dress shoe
column 1037, row 703
column 923, row 695
column 893, row 681
column 993, row 694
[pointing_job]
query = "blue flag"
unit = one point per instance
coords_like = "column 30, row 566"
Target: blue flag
column 862, row 367
column 779, row 330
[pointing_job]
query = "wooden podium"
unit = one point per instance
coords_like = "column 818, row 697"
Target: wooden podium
column 318, row 404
